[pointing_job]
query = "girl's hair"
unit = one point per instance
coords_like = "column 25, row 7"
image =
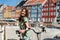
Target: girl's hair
column 21, row 18
column 25, row 11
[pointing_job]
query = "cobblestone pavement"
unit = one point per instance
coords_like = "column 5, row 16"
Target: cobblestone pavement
column 48, row 35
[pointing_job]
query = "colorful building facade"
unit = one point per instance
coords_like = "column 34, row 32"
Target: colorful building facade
column 35, row 8
column 1, row 12
column 8, row 12
column 49, row 11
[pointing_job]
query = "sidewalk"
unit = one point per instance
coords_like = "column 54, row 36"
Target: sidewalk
column 1, row 33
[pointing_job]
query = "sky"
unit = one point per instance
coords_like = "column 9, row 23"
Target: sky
column 10, row 2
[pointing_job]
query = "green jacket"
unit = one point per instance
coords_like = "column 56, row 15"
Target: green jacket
column 22, row 24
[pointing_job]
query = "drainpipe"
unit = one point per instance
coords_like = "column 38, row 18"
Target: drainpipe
column 48, row 10
column 37, row 13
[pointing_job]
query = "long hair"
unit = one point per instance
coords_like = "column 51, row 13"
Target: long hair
column 21, row 18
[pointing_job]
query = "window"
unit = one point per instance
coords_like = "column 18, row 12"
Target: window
column 36, row 12
column 44, row 19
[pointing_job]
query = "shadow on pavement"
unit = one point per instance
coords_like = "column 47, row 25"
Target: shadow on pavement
column 51, row 39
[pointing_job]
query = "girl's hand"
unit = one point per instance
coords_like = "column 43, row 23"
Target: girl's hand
column 26, row 29
column 29, row 28
column 22, row 31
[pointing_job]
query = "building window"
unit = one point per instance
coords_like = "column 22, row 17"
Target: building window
column 36, row 12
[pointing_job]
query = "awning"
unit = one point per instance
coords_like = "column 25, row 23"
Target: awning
column 21, row 3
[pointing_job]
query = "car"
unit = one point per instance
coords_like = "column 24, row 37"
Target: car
column 8, row 21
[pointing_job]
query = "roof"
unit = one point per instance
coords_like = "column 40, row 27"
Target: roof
column 54, row 1
column 31, row 2
column 11, row 7
column 34, row 2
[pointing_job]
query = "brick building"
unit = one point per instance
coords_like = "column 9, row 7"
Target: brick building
column 49, row 11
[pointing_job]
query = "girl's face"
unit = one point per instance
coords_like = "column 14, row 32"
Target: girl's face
column 23, row 12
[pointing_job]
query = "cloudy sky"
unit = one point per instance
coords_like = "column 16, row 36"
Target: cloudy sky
column 10, row 2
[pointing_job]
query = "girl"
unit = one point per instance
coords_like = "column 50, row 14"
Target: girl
column 23, row 22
